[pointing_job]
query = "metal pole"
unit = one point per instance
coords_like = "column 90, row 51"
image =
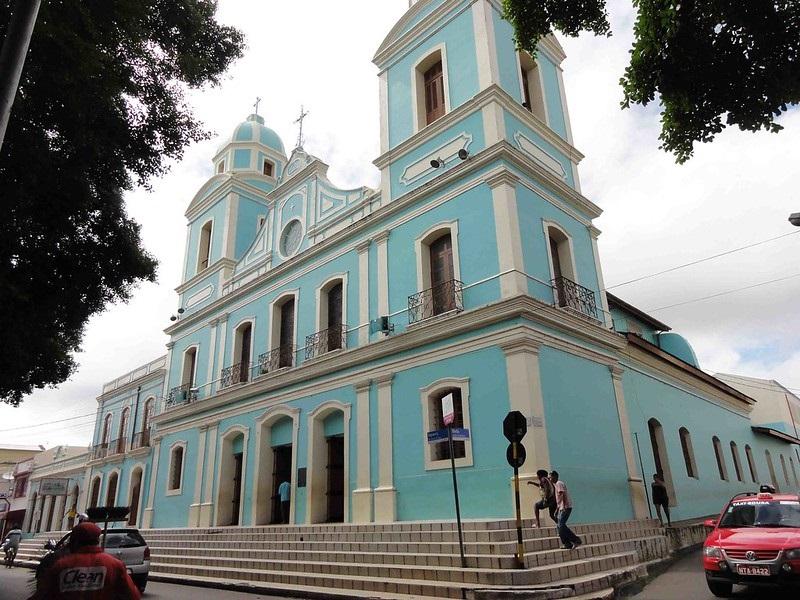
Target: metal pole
column 641, row 466
column 520, row 547
column 12, row 56
column 455, row 492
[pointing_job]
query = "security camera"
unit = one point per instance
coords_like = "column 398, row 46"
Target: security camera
column 794, row 219
column 437, row 163
column 463, row 154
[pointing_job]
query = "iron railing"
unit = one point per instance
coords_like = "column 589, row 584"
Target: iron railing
column 569, row 294
column 442, row 298
column 333, row 338
column 116, row 447
column 100, row 450
column 183, row 394
column 141, row 440
column 275, row 359
column 238, row 373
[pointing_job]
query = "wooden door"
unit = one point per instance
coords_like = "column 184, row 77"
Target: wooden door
column 244, row 356
column 335, row 469
column 237, row 488
column 335, row 317
column 434, row 93
column 287, row 334
column 442, row 275
column 281, row 471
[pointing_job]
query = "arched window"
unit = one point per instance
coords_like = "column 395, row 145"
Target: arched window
column 532, row 88
column 106, row 430
column 751, row 463
column 771, row 467
column 283, row 327
column 688, row 452
column 430, row 88
column 438, row 455
column 333, row 331
column 785, row 470
column 204, row 247
column 147, row 415
column 175, row 472
column 737, row 465
column 239, row 371
column 438, row 273
column 721, row 466
column 189, row 367
column 111, row 493
column 660, row 457
column 123, row 430
column 94, row 496
column 562, row 270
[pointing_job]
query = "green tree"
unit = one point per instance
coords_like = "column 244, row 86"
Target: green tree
column 100, row 108
column 710, row 63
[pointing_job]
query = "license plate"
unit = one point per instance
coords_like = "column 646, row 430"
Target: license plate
column 747, row 570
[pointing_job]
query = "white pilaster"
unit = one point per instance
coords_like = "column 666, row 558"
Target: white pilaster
column 46, row 517
column 494, row 128
column 509, row 242
column 207, row 503
column 37, row 514
column 147, row 521
column 194, row 508
column 385, row 493
column 363, row 291
column 525, row 395
column 382, row 241
column 362, row 495
column 635, row 482
column 26, row 523
column 485, row 48
column 57, row 522
column 383, row 95
column 594, row 232
column 212, row 347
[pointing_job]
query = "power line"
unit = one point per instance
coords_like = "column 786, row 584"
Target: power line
column 749, row 287
column 48, row 423
column 701, row 260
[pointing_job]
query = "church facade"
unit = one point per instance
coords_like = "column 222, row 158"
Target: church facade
column 320, row 327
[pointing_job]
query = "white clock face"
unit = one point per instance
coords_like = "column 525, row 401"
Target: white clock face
column 291, row 237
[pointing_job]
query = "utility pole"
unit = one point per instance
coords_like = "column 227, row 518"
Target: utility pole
column 12, row 56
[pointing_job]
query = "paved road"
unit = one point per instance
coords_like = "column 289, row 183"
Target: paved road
column 15, row 585
column 685, row 580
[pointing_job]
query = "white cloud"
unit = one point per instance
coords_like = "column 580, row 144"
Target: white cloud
column 657, row 214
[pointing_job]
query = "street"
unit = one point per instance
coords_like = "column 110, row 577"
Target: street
column 685, row 581
column 15, row 584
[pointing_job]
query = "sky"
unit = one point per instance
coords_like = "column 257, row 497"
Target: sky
column 738, row 190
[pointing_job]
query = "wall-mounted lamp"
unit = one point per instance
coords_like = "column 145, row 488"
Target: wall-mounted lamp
column 181, row 311
column 173, row 318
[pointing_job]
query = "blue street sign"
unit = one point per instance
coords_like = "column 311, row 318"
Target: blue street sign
column 440, row 435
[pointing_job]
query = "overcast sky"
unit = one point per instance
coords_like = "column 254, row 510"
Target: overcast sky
column 736, row 191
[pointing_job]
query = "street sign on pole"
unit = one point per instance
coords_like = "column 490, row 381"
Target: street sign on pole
column 448, row 410
column 515, row 426
column 440, row 435
column 455, row 493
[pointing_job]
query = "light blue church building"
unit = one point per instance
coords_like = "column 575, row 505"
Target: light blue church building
column 320, row 327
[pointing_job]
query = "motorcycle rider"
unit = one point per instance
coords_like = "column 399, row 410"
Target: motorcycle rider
column 12, row 540
column 86, row 573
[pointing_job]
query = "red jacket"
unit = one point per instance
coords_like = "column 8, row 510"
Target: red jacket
column 87, row 573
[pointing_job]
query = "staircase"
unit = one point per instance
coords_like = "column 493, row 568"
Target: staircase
column 419, row 559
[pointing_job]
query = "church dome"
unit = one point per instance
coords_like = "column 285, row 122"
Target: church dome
column 254, row 130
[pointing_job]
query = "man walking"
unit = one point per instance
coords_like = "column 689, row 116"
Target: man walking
column 569, row 540
column 284, row 491
column 548, row 497
column 661, row 498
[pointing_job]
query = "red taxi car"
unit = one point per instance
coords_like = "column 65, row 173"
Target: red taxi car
column 755, row 542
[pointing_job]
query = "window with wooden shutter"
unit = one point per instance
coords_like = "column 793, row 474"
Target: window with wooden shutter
column 269, row 168
column 434, row 93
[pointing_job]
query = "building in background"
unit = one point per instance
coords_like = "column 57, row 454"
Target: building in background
column 320, row 328
column 10, row 456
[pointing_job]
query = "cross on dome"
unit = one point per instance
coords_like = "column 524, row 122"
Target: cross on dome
column 300, row 119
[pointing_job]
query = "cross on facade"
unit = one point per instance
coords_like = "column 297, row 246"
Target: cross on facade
column 258, row 101
column 303, row 115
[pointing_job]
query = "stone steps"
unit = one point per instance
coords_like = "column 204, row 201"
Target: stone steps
column 400, row 559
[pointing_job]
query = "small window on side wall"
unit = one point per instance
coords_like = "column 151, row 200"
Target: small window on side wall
column 430, row 88
column 688, row 452
column 532, row 90
column 221, row 166
column 437, row 456
column 268, row 169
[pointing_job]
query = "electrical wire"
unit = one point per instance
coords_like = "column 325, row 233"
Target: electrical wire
column 741, row 289
column 93, row 414
column 701, row 260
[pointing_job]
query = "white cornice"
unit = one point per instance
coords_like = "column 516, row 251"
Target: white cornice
column 493, row 93
column 525, row 307
column 219, row 265
column 128, row 387
column 198, row 205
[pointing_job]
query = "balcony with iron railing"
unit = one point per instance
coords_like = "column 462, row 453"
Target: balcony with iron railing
column 116, row 447
column 141, row 439
column 277, row 358
column 183, row 394
column 446, row 297
column 238, row 373
column 575, row 297
column 100, row 451
column 322, row 342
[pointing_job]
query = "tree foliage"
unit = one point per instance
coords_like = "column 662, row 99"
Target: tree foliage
column 710, row 63
column 100, row 108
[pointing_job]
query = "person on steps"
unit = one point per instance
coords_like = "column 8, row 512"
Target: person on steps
column 661, row 498
column 548, row 497
column 569, row 540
